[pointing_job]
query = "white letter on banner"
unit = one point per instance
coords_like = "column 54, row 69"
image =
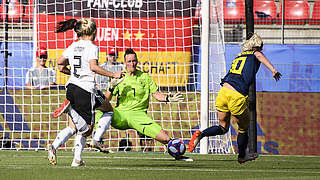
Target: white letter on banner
column 115, row 34
column 115, row 4
column 130, row 3
column 122, row 4
column 96, row 3
column 107, row 34
column 100, row 34
column 139, row 3
column 89, row 3
column 104, row 3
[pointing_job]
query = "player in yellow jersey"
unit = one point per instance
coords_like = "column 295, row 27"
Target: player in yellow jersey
column 232, row 99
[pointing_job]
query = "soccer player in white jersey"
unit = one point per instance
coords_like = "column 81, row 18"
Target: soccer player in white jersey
column 102, row 117
column 103, row 113
column 82, row 56
column 41, row 77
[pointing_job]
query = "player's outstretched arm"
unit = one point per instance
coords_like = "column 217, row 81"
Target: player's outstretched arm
column 177, row 97
column 101, row 71
column 276, row 75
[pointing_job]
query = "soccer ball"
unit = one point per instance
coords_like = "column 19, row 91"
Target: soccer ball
column 176, row 148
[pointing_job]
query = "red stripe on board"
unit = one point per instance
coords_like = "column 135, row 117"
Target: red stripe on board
column 143, row 34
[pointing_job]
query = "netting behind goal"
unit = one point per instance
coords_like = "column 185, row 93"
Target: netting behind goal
column 217, row 70
column 166, row 37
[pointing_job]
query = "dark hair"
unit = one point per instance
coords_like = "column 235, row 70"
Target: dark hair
column 43, row 56
column 129, row 51
column 64, row 26
column 81, row 27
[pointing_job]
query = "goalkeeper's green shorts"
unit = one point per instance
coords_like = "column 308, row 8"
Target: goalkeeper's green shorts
column 138, row 120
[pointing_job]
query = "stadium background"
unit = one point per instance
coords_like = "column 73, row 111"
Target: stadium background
column 288, row 113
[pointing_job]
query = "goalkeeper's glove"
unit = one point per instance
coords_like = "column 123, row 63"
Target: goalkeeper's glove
column 174, row 97
column 113, row 83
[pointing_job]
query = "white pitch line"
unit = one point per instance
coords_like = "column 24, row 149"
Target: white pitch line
column 163, row 169
column 151, row 169
column 103, row 157
column 146, row 158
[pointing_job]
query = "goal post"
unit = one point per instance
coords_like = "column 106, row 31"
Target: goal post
column 213, row 69
column 166, row 36
column 205, row 35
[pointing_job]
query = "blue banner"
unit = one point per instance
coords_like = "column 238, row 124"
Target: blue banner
column 19, row 61
column 299, row 65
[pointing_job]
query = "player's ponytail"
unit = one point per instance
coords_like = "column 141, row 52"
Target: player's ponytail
column 82, row 27
column 64, row 26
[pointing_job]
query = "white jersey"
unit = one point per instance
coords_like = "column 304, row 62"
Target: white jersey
column 79, row 54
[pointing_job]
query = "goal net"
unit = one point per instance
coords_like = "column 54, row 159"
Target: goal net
column 166, row 37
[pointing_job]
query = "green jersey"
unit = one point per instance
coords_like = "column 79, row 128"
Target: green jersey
column 133, row 93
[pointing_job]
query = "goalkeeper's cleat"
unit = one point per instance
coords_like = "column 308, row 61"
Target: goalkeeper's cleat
column 52, row 157
column 183, row 158
column 194, row 140
column 248, row 157
column 62, row 109
column 77, row 163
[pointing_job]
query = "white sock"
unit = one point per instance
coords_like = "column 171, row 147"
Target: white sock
column 103, row 125
column 79, row 144
column 92, row 135
column 63, row 136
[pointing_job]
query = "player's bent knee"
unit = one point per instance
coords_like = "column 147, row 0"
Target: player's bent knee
column 89, row 132
column 72, row 129
column 243, row 127
column 105, row 107
column 83, row 130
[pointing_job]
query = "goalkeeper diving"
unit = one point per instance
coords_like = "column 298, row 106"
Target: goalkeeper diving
column 133, row 94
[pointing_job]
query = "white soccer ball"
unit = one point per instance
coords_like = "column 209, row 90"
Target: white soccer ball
column 176, row 148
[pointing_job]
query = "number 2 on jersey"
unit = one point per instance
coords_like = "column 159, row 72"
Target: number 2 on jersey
column 237, row 65
column 76, row 66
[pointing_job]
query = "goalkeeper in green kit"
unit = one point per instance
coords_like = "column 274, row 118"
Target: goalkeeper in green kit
column 133, row 94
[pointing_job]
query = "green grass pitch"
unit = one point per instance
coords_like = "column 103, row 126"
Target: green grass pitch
column 154, row 166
